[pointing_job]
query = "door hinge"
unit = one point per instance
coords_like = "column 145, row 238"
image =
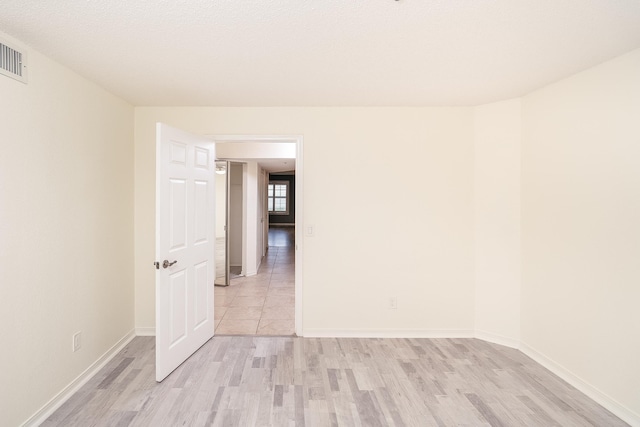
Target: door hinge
column 157, row 264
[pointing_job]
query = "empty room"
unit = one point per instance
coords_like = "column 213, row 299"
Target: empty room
column 465, row 240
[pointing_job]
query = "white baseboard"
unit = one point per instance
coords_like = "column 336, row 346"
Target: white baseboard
column 51, row 406
column 146, row 332
column 598, row 396
column 497, row 339
column 387, row 333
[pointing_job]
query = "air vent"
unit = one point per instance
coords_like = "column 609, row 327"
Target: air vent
column 13, row 62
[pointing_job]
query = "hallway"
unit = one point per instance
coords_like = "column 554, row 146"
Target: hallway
column 262, row 304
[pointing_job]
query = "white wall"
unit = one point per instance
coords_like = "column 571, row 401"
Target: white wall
column 581, row 226
column 239, row 150
column 251, row 226
column 66, row 231
column 497, row 221
column 236, row 214
column 354, row 263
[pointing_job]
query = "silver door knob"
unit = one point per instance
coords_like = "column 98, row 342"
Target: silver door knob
column 167, row 264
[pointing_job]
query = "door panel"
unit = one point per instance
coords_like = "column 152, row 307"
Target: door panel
column 202, row 296
column 178, row 305
column 177, row 214
column 201, row 194
column 185, row 202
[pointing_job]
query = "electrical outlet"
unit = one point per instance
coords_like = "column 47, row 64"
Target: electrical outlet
column 77, row 342
column 393, row 303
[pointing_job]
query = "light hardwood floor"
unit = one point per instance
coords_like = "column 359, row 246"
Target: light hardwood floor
column 291, row 381
column 262, row 304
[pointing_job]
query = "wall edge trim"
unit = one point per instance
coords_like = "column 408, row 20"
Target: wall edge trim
column 63, row 395
column 387, row 333
column 616, row 408
column 146, row 331
column 498, row 339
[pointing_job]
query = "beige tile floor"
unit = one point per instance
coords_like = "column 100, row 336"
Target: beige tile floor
column 262, row 304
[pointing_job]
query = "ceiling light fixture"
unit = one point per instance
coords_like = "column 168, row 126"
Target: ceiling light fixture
column 221, row 170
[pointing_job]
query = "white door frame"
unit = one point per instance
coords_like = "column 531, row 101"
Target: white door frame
column 298, row 140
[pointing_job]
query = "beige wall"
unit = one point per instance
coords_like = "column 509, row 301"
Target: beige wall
column 435, row 236
column 66, row 231
column 581, row 226
column 251, row 226
column 409, row 237
column 497, row 137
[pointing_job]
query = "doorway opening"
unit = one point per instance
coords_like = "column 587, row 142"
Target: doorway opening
column 266, row 298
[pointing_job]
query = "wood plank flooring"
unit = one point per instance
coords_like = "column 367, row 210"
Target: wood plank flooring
column 291, row 381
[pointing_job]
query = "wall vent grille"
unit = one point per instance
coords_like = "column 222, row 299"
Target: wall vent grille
column 13, row 62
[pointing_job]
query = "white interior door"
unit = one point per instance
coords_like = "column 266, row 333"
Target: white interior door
column 185, row 245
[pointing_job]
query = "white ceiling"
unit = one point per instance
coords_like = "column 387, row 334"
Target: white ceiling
column 324, row 52
column 278, row 165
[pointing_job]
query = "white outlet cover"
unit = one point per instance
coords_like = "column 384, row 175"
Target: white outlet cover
column 77, row 343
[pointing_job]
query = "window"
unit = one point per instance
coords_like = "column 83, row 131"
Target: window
column 278, row 197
